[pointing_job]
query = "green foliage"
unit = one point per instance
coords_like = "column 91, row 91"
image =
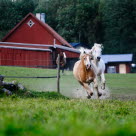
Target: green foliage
column 78, row 21
column 33, row 94
column 12, row 12
column 87, row 21
column 119, row 21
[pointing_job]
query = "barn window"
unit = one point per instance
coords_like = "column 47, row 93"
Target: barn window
column 30, row 23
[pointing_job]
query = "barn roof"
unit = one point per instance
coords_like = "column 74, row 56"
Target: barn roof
column 117, row 58
column 45, row 25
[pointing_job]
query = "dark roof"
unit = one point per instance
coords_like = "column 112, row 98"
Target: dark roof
column 117, row 58
column 45, row 25
column 75, row 44
column 78, row 44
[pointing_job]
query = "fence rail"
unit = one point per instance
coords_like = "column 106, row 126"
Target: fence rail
column 57, row 76
column 29, row 77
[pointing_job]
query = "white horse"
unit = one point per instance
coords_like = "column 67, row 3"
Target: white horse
column 96, row 51
column 98, row 64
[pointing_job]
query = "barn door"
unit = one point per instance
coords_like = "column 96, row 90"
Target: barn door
column 122, row 68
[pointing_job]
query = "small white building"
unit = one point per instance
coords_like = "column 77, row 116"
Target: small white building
column 118, row 63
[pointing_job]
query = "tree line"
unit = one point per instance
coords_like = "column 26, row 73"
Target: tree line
column 111, row 22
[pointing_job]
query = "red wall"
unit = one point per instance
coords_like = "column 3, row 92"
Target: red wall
column 15, row 57
column 128, row 66
column 36, row 34
column 68, row 53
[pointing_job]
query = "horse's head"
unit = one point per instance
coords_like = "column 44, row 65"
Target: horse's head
column 97, row 51
column 87, row 58
column 84, row 51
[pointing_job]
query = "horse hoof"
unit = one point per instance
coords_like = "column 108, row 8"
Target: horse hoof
column 88, row 97
column 91, row 93
column 99, row 94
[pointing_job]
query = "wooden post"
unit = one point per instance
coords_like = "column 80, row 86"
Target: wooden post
column 1, row 80
column 58, row 74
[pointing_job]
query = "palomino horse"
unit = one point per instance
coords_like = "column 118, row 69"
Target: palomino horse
column 85, row 74
column 96, row 51
column 62, row 61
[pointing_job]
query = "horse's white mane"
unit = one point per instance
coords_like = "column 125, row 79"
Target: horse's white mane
column 89, row 51
column 84, row 51
column 96, row 45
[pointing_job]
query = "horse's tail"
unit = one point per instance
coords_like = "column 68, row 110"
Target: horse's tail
column 64, row 54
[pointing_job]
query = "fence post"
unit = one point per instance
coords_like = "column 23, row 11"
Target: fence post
column 58, row 74
column 1, row 80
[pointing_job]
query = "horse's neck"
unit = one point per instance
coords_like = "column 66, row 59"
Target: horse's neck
column 96, row 63
column 82, row 65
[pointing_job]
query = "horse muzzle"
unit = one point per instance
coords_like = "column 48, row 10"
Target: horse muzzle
column 98, row 58
column 88, row 66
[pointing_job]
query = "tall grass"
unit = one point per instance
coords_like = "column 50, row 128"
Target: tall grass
column 53, row 117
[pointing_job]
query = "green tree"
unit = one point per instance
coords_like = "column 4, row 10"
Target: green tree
column 119, row 22
column 79, row 21
column 12, row 12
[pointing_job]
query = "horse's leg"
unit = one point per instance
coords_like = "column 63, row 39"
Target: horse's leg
column 96, row 87
column 103, row 81
column 87, row 88
column 62, row 70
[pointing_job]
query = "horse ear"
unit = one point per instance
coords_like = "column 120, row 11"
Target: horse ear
column 82, row 51
column 102, row 46
column 91, row 52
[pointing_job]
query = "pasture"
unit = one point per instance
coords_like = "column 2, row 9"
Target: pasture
column 51, row 114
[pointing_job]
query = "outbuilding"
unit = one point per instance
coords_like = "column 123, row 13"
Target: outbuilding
column 118, row 63
column 33, row 43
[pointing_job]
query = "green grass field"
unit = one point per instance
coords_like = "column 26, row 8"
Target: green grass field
column 48, row 113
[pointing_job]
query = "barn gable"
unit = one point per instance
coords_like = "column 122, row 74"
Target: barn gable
column 32, row 30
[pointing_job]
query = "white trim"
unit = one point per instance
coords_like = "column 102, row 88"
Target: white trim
column 26, row 44
column 30, row 23
column 42, row 45
column 25, row 48
column 67, row 48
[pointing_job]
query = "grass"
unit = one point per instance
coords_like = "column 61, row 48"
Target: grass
column 53, row 117
column 49, row 113
column 119, row 84
column 122, row 83
column 31, row 84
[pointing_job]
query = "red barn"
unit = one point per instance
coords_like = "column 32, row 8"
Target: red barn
column 33, row 43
